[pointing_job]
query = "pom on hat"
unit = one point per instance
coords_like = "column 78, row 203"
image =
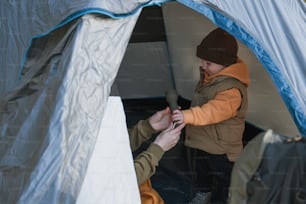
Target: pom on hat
column 218, row 47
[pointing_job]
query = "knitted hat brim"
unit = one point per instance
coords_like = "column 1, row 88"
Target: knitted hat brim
column 216, row 56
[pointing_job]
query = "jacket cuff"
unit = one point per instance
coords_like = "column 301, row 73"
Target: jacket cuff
column 188, row 116
column 147, row 128
column 156, row 150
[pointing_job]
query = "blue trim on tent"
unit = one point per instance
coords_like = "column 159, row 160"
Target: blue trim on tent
column 82, row 13
column 231, row 27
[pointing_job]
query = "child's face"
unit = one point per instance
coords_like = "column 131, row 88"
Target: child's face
column 211, row 68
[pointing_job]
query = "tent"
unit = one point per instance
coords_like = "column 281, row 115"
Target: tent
column 62, row 60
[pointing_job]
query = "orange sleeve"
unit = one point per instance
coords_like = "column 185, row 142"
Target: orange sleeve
column 222, row 107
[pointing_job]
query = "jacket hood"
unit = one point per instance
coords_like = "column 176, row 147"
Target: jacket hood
column 238, row 71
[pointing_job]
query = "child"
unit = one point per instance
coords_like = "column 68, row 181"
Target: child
column 216, row 119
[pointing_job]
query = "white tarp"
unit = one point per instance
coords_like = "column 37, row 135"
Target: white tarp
column 58, row 63
column 110, row 176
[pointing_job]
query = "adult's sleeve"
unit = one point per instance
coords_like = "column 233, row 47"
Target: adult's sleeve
column 145, row 163
column 140, row 133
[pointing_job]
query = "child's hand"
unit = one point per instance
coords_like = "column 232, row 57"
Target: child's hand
column 177, row 116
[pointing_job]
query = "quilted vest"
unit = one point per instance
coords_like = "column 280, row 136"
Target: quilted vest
column 224, row 137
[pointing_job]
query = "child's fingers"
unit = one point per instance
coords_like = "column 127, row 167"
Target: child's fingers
column 178, row 128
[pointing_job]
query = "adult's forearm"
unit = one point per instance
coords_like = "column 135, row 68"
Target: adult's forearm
column 146, row 162
column 140, row 133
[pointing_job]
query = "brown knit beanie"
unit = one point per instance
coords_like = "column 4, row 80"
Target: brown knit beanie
column 218, row 47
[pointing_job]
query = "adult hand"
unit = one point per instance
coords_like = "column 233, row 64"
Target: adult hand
column 161, row 119
column 178, row 116
column 169, row 137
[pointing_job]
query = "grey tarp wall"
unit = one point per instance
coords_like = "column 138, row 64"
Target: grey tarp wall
column 51, row 113
column 53, row 101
